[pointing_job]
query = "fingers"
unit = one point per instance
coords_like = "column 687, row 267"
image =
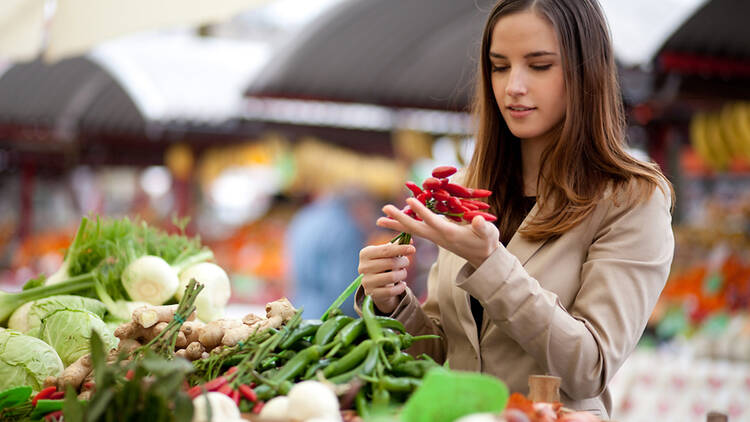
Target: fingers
column 423, row 212
column 374, row 266
column 372, row 282
column 388, row 291
column 388, row 250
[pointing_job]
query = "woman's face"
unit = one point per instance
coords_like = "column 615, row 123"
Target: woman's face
column 527, row 74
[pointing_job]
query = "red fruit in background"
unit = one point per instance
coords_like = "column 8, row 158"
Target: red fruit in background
column 443, row 171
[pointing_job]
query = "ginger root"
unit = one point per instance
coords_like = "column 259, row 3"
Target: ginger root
column 194, row 351
column 252, row 319
column 74, row 374
column 148, row 316
column 280, row 308
column 190, row 329
column 232, row 336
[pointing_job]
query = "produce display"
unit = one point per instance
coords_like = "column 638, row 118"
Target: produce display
column 132, row 327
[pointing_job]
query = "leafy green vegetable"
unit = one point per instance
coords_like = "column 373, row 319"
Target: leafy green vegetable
column 68, row 331
column 28, row 317
column 100, row 252
column 26, row 361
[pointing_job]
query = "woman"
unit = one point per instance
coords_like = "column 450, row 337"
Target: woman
column 565, row 282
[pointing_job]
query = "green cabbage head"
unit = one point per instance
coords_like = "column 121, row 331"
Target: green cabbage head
column 26, row 360
column 69, row 331
column 28, row 317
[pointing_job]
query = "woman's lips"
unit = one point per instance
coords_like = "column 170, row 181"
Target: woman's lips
column 520, row 112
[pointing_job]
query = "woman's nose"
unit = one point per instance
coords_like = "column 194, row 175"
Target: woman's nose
column 516, row 85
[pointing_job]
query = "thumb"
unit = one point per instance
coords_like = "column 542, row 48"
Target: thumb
column 482, row 227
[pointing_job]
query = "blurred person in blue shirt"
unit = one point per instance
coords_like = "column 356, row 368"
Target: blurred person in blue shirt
column 323, row 243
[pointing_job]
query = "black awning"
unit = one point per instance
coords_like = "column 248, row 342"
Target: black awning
column 409, row 53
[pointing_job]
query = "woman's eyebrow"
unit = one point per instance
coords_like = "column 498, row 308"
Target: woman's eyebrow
column 527, row 56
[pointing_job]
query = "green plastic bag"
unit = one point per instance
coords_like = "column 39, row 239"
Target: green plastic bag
column 447, row 395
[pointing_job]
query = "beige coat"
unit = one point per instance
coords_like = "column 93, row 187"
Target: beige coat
column 573, row 307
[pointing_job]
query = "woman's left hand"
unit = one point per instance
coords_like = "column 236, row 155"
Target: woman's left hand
column 474, row 242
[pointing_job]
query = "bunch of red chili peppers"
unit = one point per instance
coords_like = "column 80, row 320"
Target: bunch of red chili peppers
column 452, row 200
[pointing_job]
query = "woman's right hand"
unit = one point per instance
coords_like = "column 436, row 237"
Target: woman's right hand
column 383, row 269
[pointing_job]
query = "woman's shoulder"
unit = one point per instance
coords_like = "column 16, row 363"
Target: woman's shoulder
column 638, row 194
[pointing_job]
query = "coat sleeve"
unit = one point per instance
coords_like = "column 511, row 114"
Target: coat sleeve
column 625, row 270
column 418, row 319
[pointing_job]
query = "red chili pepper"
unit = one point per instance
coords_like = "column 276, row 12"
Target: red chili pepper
column 441, row 207
column 129, row 375
column 248, row 393
column 441, row 194
column 89, row 385
column 231, row 370
column 444, row 182
column 480, row 193
column 469, row 215
column 469, row 206
column 258, row 407
column 215, row 383
column 57, row 395
column 53, row 416
column 45, row 393
column 454, row 218
column 414, row 188
column 408, row 211
column 236, row 397
column 458, row 190
column 225, row 389
column 194, row 392
column 423, row 197
column 479, row 204
column 443, row 171
column 431, row 183
column 455, row 203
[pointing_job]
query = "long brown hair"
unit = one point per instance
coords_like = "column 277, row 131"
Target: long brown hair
column 589, row 155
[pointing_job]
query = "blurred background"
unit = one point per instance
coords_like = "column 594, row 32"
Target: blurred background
column 280, row 127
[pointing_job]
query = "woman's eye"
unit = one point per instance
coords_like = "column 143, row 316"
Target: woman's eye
column 499, row 68
column 541, row 66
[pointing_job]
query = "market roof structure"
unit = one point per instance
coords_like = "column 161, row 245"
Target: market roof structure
column 422, row 53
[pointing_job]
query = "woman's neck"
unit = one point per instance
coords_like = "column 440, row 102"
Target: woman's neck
column 531, row 155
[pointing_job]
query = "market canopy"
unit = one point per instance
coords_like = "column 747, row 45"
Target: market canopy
column 422, row 53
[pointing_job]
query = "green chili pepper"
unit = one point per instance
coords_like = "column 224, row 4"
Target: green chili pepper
column 407, row 339
column 330, row 328
column 414, row 368
column 380, row 397
column 286, row 355
column 374, row 330
column 364, row 368
column 297, row 364
column 313, row 369
column 307, row 328
column 401, row 385
column 350, row 360
column 351, row 332
column 400, row 357
column 360, row 403
column 347, row 336
column 388, row 322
